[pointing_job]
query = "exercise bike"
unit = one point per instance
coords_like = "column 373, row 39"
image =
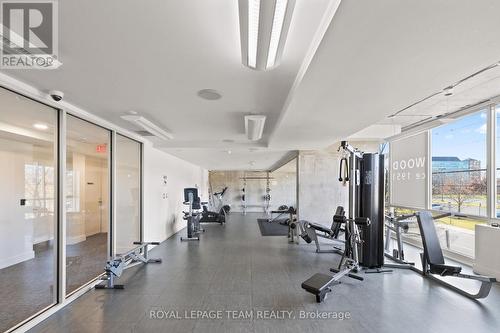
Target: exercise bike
column 192, row 216
column 219, row 215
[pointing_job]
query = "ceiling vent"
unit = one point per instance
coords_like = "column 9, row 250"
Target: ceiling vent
column 144, row 133
column 148, row 126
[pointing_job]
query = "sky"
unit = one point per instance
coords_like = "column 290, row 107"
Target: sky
column 464, row 138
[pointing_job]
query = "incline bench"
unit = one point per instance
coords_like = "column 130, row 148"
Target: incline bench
column 433, row 260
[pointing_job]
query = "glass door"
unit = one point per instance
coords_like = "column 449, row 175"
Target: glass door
column 87, row 201
column 28, row 208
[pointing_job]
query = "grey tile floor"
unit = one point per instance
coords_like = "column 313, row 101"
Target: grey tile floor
column 235, row 268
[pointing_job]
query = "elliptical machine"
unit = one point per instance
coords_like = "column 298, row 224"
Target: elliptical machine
column 219, row 215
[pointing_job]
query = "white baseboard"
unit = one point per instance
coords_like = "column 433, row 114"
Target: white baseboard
column 6, row 262
column 42, row 239
column 75, row 239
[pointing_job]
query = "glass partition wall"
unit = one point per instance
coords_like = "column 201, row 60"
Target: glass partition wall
column 33, row 268
column 28, row 213
column 87, row 201
column 128, row 188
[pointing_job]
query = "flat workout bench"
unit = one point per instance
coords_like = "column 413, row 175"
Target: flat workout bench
column 319, row 285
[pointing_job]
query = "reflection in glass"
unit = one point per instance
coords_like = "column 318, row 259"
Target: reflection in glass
column 28, row 136
column 87, row 201
column 128, row 186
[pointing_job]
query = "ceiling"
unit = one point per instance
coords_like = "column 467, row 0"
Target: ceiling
column 469, row 93
column 289, row 167
column 380, row 56
column 375, row 58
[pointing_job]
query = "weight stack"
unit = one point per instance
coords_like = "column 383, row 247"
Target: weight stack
column 371, row 205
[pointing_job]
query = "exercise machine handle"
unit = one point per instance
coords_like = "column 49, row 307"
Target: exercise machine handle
column 343, row 170
column 362, row 221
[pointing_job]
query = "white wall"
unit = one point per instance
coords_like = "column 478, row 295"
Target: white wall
column 282, row 185
column 163, row 204
column 320, row 191
column 16, row 232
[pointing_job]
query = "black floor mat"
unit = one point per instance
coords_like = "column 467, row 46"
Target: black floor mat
column 272, row 229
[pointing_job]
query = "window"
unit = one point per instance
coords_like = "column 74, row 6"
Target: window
column 39, row 190
column 72, row 191
column 459, row 178
column 497, row 161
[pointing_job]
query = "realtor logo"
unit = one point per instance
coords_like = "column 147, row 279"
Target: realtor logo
column 29, row 34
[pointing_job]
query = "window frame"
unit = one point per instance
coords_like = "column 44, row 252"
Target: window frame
column 488, row 107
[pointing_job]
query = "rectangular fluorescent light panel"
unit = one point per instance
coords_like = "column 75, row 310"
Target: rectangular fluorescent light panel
column 278, row 20
column 253, row 31
column 254, row 126
column 149, row 126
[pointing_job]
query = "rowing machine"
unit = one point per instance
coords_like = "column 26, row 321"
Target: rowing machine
column 115, row 267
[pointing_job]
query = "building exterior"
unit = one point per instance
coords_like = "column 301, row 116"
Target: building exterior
column 452, row 163
column 453, row 168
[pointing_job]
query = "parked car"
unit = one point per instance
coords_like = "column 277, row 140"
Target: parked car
column 437, row 207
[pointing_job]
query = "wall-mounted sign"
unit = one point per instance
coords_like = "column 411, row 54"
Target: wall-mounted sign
column 409, row 158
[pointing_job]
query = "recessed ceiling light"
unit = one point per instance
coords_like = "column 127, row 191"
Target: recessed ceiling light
column 229, row 152
column 209, row 94
column 254, row 126
column 252, row 163
column 132, row 112
column 41, row 127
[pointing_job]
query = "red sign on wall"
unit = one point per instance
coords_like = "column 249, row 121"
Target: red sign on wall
column 101, row 148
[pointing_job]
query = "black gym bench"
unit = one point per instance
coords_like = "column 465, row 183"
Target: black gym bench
column 433, row 262
column 311, row 231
